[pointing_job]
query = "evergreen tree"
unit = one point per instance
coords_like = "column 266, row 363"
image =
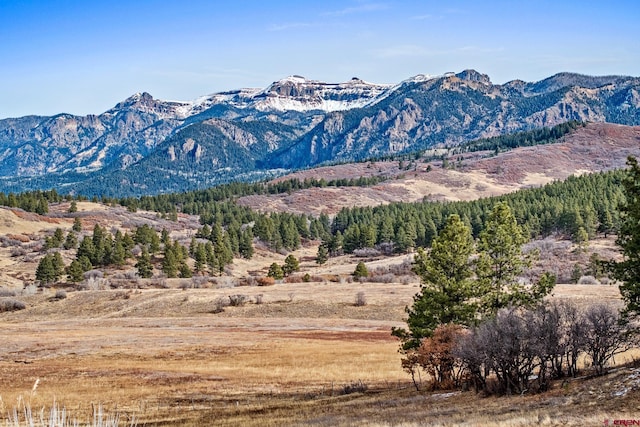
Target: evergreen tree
column 45, row 272
column 447, row 293
column 169, row 263
column 58, row 265
column 164, row 237
column 58, row 237
column 291, row 264
column 73, row 207
column 628, row 270
column 360, row 271
column 246, row 244
column 185, row 271
column 85, row 263
column 75, row 271
column 323, row 254
column 86, row 249
column 77, row 225
column 275, row 271
column 582, row 238
column 42, row 207
column 71, row 241
column 200, row 256
column 144, row 266
column 501, row 262
column 118, row 254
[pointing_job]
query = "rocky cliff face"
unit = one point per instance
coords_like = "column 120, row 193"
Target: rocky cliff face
column 297, row 122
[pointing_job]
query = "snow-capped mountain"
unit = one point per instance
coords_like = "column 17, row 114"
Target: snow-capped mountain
column 152, row 145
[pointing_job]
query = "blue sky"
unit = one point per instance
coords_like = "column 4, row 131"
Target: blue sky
column 83, row 57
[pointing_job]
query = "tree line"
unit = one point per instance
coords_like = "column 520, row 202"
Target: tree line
column 577, row 208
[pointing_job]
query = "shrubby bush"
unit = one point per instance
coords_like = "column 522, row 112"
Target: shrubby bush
column 519, row 350
column 11, row 304
column 588, row 280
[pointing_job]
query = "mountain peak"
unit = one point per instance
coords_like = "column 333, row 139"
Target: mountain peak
column 473, row 76
column 138, row 98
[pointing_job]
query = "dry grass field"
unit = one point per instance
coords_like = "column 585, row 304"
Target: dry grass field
column 165, row 358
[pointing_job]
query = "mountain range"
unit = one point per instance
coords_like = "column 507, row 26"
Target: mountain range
column 147, row 146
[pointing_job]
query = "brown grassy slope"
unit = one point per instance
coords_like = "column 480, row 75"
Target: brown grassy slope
column 597, row 147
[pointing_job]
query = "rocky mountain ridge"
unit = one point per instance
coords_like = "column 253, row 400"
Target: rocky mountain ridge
column 293, row 123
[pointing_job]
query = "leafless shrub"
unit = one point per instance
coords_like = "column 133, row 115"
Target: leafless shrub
column 198, row 282
column 385, row 278
column 386, row 248
column 60, row 294
column 184, row 285
column 249, row 281
column 605, row 337
column 238, row 300
column 17, row 252
column 30, row 289
column 405, row 268
column 93, row 274
column 266, row 281
column 131, row 275
column 219, row 304
column 93, row 283
column 294, row 279
column 588, row 280
column 31, row 258
column 159, row 282
column 227, row 282
column 527, row 348
column 361, row 299
column 7, row 292
column 7, row 241
column 259, row 299
column 11, row 304
column 366, row 252
column 354, row 387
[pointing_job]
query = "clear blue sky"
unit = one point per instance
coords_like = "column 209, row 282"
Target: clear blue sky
column 83, row 57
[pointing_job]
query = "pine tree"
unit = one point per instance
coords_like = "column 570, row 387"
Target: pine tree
column 45, row 272
column 71, row 241
column 77, row 225
column 73, row 207
column 323, row 254
column 628, row 270
column 169, row 263
column 75, row 271
column 275, row 271
column 58, row 266
column 58, row 237
column 164, row 237
column 86, row 249
column 185, row 271
column 361, row 271
column 246, row 244
column 501, row 262
column 291, row 264
column 447, row 293
column 144, row 266
column 118, row 254
column 200, row 256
